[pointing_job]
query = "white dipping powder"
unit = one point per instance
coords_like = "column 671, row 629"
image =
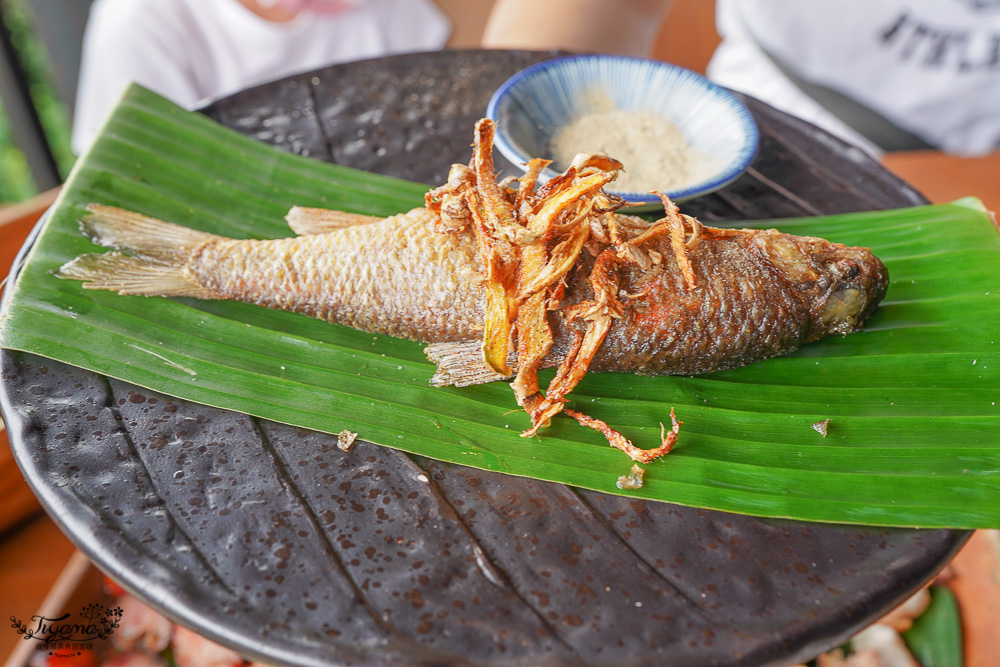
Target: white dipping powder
column 652, row 149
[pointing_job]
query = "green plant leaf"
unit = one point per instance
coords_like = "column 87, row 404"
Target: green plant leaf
column 912, row 399
column 936, row 636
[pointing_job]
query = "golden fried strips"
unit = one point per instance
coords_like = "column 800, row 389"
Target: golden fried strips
column 528, row 240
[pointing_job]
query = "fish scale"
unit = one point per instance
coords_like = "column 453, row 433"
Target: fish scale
column 352, row 277
column 745, row 307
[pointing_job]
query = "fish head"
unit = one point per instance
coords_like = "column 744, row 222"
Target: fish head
column 857, row 282
column 841, row 284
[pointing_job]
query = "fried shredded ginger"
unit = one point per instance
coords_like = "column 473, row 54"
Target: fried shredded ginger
column 528, row 239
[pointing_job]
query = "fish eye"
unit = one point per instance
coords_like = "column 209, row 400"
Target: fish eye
column 846, row 268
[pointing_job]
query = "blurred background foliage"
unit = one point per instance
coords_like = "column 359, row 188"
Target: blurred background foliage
column 16, row 181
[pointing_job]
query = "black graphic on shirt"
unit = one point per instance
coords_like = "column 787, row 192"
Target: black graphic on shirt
column 921, row 42
column 982, row 5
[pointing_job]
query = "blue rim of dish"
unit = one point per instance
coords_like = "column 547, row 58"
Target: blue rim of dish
column 724, row 178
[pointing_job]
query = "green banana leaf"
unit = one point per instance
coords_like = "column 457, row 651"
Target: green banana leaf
column 912, row 400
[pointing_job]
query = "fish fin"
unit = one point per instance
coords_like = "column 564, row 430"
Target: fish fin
column 133, row 274
column 305, row 221
column 460, row 364
column 120, row 229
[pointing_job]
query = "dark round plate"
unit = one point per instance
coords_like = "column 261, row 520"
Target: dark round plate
column 251, row 533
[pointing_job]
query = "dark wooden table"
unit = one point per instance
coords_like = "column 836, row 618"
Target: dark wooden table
column 392, row 559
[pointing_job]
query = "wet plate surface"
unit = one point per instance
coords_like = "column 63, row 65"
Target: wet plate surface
column 267, row 538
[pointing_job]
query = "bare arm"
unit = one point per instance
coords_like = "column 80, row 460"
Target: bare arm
column 609, row 26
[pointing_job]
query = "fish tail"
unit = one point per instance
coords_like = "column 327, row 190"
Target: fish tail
column 158, row 266
column 133, row 274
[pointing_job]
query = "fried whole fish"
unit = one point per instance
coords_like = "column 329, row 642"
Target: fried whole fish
column 501, row 280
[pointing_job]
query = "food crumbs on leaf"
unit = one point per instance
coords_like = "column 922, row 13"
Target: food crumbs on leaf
column 821, row 427
column 345, row 440
column 633, row 480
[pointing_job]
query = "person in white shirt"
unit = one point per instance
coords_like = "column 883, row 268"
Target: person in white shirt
column 883, row 74
column 193, row 50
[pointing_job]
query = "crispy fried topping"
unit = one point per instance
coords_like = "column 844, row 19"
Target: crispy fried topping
column 345, row 440
column 633, row 480
column 528, row 239
column 822, row 427
column 616, row 439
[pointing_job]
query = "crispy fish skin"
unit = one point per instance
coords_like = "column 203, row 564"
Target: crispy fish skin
column 395, row 276
column 757, row 294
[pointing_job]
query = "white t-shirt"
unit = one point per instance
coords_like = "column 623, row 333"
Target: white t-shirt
column 193, row 50
column 932, row 67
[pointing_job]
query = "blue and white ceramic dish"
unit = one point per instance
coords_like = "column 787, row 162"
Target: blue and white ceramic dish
column 531, row 106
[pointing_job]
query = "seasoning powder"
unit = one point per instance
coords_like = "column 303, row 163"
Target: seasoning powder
column 652, row 150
